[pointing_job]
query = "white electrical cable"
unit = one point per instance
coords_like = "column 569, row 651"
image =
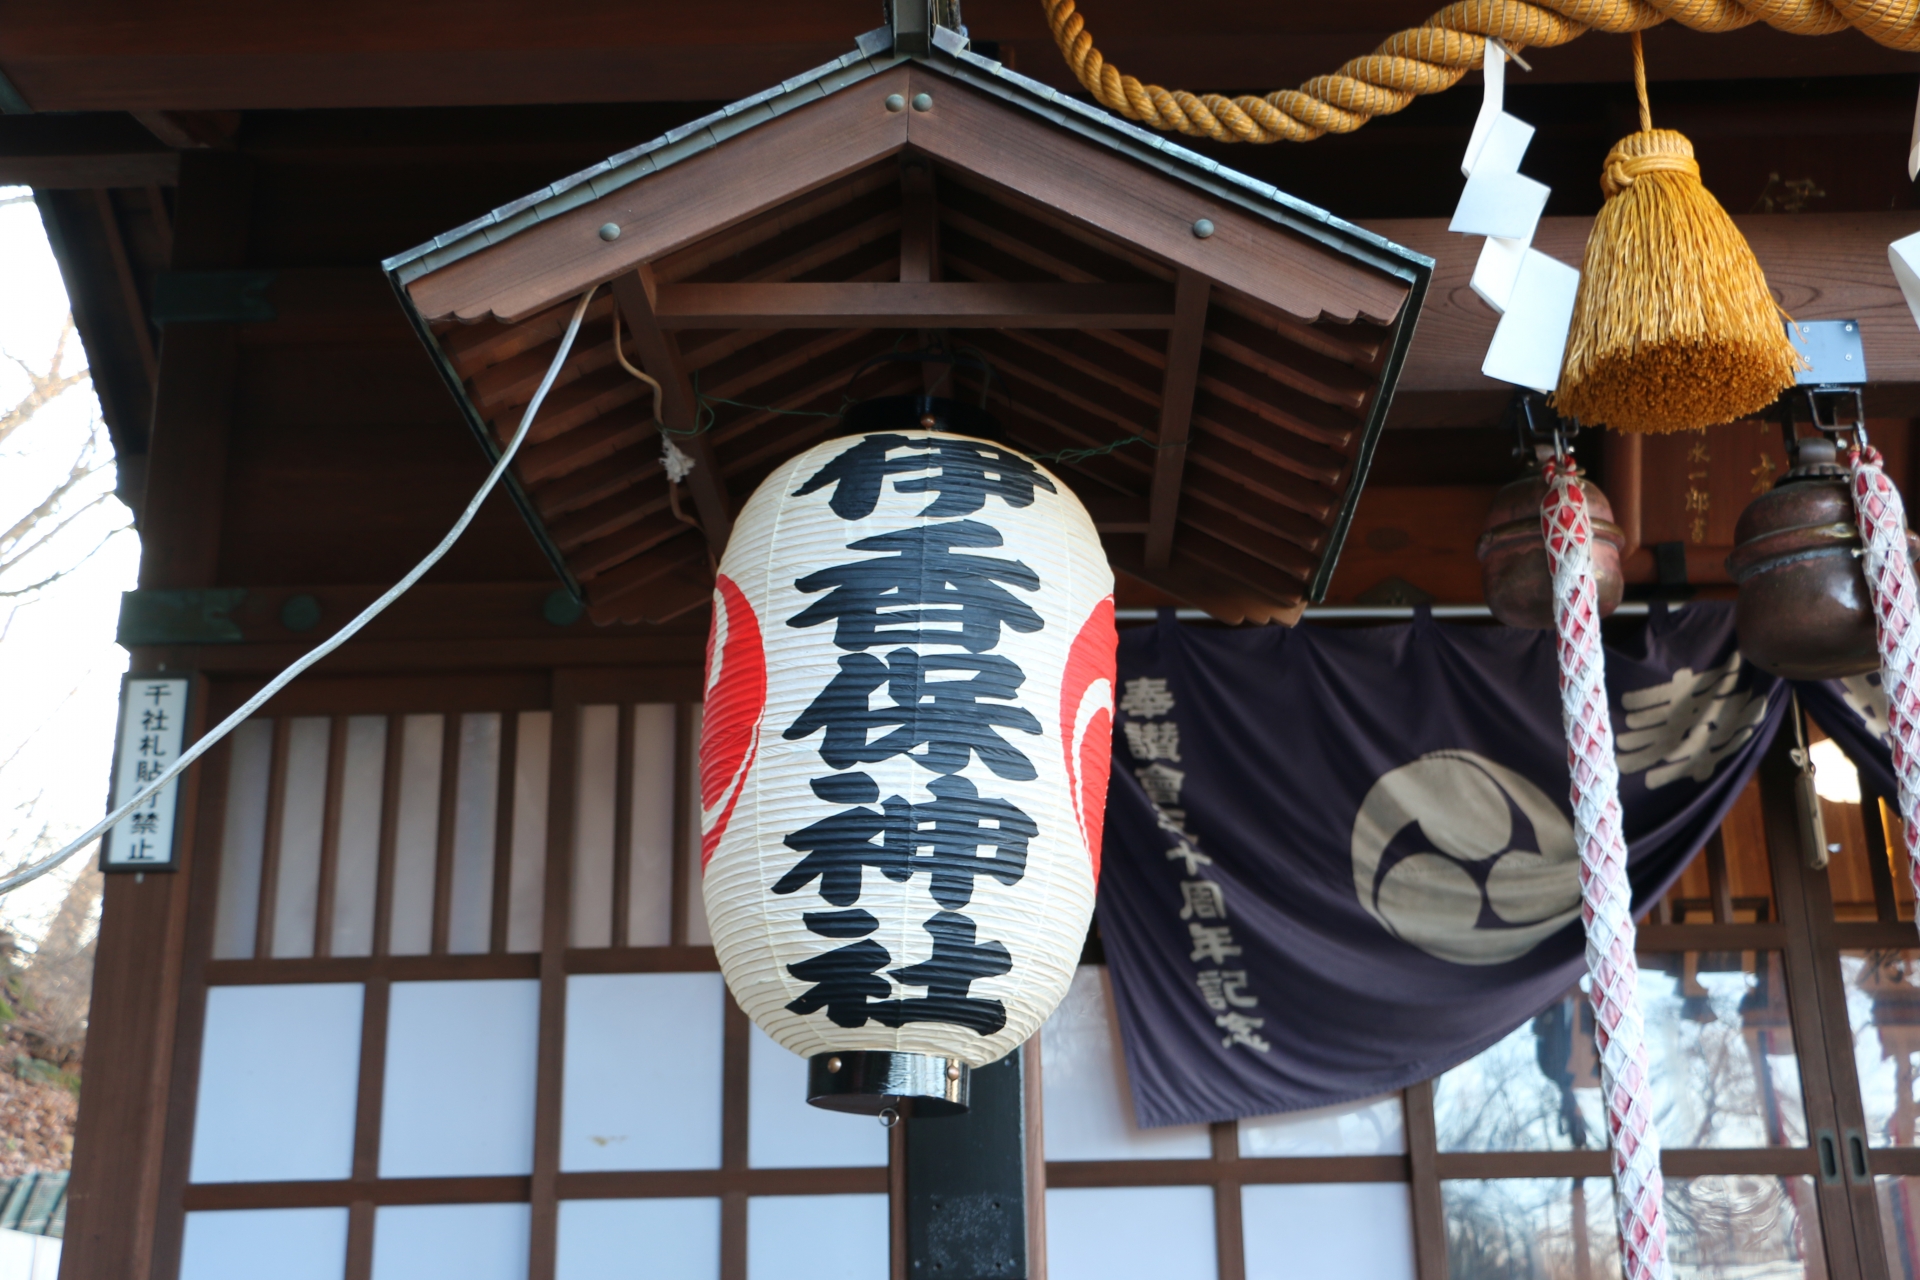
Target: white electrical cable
column 334, row 641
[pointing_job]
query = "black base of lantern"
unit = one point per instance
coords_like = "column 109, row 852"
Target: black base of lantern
column 871, row 1081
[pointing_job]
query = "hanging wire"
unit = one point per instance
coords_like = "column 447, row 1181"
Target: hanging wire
column 334, row 641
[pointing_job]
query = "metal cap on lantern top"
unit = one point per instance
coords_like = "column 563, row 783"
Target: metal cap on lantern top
column 904, row 753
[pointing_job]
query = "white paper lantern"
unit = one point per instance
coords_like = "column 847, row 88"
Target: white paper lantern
column 904, row 754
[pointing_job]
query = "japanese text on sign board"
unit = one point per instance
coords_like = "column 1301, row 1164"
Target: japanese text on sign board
column 152, row 732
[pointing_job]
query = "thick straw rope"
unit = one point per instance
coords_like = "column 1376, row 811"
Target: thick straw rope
column 1433, row 57
column 1606, row 899
column 1883, row 532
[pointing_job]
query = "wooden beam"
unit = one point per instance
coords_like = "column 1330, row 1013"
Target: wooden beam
column 95, row 55
column 1830, row 266
column 1190, row 292
column 119, row 1220
column 636, row 295
column 919, row 224
column 915, row 304
column 119, row 169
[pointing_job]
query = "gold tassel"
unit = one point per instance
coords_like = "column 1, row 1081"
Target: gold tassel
column 1673, row 328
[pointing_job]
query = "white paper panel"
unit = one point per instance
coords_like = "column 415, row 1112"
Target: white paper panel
column 279, row 1075
column 302, row 813
column 450, row 1242
column 643, row 1071
column 1493, row 73
column 28, row 1257
column 1326, row 1229
column 357, row 859
column 475, row 810
column 1904, row 256
column 529, row 871
column 817, row 1237
column 1369, row 1127
column 593, row 801
column 785, row 1132
column 1135, row 1233
column 416, row 836
column 265, row 1244
column 781, row 646
column 650, row 874
column 243, row 840
column 1531, row 338
column 1496, row 270
column 698, row 934
column 459, row 1082
column 1088, row 1107
column 639, row 1240
column 1497, row 200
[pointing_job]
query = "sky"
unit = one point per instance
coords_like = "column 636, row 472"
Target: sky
column 60, row 668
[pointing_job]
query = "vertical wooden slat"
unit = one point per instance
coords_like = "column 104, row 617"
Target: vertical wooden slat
column 1886, row 905
column 1035, row 1116
column 897, row 1201
column 1230, row 1246
column 443, row 844
column 1719, row 883
column 389, row 836
column 366, row 1122
column 1817, row 1008
column 686, row 823
column 330, row 837
column 202, row 890
column 503, row 831
column 735, row 1090
column 1423, row 1168
column 270, row 847
column 556, row 928
column 622, row 823
column 360, row 1240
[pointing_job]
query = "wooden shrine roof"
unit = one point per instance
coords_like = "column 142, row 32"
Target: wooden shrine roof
column 1213, row 399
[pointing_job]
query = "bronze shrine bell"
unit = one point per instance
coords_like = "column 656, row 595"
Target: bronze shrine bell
column 1513, row 553
column 1803, row 611
column 1514, row 576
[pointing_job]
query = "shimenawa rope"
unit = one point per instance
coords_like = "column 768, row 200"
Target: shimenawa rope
column 1606, row 897
column 1434, row 56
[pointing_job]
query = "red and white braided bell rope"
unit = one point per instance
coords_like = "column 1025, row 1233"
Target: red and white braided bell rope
column 1883, row 533
column 1606, row 898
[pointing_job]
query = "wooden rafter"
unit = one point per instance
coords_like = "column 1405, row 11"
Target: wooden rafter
column 659, row 352
column 1190, row 292
column 905, row 305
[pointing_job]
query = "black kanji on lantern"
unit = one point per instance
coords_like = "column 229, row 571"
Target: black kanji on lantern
column 840, row 846
column 923, row 592
column 847, row 982
column 965, row 474
column 955, row 826
column 954, row 719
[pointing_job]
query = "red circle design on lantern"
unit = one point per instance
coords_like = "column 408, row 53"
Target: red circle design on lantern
column 736, row 698
column 1086, row 723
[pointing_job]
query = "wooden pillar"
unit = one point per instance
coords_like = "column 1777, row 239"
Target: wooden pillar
column 114, row 1199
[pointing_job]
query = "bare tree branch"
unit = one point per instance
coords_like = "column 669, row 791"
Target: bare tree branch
column 43, row 388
